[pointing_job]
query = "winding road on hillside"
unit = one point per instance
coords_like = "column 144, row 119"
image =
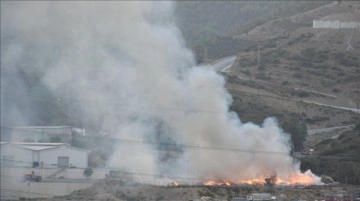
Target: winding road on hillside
column 224, row 64
column 326, row 130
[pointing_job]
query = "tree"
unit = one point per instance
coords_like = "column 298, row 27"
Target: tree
column 296, row 127
column 309, row 164
column 348, row 172
column 88, row 172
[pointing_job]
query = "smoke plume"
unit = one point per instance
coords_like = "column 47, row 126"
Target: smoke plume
column 122, row 67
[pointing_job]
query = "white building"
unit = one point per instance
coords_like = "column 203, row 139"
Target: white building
column 41, row 133
column 47, row 155
column 335, row 24
column 338, row 21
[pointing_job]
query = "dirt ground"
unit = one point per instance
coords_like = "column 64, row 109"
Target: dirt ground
column 118, row 190
column 14, row 188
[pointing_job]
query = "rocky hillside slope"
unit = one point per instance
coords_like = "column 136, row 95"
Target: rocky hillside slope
column 303, row 76
column 306, row 70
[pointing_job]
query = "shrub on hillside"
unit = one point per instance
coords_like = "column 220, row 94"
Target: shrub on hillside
column 301, row 94
column 357, row 126
column 298, row 75
column 88, row 172
column 317, row 119
column 296, row 127
column 348, row 172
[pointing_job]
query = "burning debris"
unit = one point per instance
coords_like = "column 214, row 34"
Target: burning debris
column 217, row 183
column 271, row 181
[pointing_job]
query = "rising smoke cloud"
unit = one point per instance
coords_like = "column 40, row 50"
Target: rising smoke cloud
column 129, row 71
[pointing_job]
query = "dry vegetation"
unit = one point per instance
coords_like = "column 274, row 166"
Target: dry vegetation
column 107, row 190
column 297, row 64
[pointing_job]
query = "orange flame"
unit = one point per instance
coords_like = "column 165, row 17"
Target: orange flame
column 298, row 179
column 253, row 181
column 217, row 183
column 301, row 179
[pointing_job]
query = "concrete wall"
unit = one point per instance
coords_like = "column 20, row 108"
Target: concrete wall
column 18, row 156
column 38, row 137
column 70, row 173
column 46, row 158
column 40, row 133
column 11, row 179
column 77, row 157
column 335, row 24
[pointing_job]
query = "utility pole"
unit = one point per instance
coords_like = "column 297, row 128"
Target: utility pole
column 330, row 61
column 357, row 102
column 258, row 55
column 358, row 89
column 205, row 54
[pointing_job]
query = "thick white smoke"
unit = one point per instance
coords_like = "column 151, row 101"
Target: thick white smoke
column 127, row 65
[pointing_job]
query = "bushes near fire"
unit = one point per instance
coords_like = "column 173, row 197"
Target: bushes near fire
column 338, row 158
column 254, row 110
column 341, row 171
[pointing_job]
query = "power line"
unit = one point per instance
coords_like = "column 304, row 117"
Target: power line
column 191, row 146
column 131, row 141
column 160, row 178
column 185, row 145
column 124, row 105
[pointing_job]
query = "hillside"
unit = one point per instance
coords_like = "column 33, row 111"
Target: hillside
column 203, row 22
column 26, row 100
column 298, row 61
column 341, row 144
column 305, row 77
